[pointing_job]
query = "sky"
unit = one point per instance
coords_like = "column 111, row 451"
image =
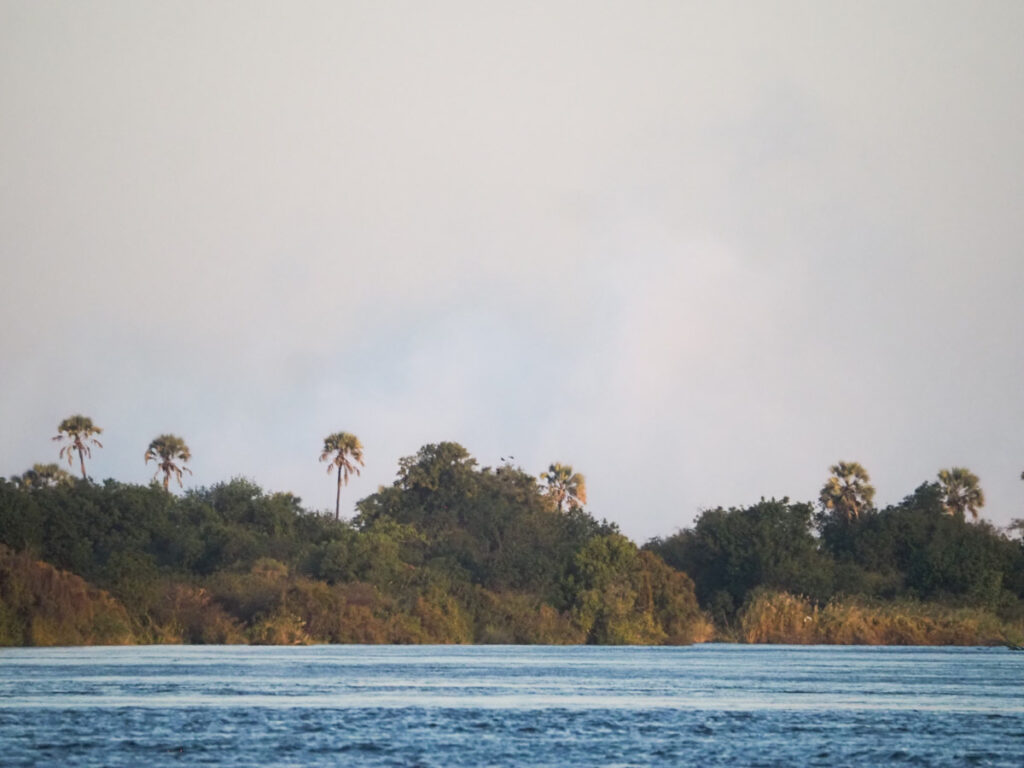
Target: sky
column 699, row 251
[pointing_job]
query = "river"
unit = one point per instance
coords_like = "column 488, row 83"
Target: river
column 705, row 705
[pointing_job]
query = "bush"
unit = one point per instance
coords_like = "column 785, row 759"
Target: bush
column 40, row 605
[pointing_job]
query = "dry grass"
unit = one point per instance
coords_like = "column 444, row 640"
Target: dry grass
column 778, row 617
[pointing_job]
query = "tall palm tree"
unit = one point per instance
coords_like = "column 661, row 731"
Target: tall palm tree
column 42, row 476
column 343, row 451
column 166, row 451
column 79, row 431
column 961, row 491
column 565, row 486
column 848, row 491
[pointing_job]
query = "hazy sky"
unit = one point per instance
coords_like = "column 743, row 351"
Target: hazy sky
column 700, row 251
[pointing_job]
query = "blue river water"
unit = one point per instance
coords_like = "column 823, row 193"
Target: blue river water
column 705, row 705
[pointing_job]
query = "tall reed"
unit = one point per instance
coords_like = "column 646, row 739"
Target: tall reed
column 779, row 617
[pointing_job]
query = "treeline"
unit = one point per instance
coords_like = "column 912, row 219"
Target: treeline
column 902, row 574
column 451, row 552
column 455, row 552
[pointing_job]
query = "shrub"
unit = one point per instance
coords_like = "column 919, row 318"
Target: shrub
column 40, row 605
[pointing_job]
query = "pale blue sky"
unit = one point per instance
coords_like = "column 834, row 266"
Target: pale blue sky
column 700, row 251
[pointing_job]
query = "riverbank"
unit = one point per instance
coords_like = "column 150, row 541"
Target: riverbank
column 457, row 554
column 43, row 606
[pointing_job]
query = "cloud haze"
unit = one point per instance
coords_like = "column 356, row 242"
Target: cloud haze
column 699, row 251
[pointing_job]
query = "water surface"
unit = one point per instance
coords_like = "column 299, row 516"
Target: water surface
column 503, row 705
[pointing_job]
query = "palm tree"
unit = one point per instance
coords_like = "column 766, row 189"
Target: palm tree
column 848, row 491
column 79, row 431
column 165, row 450
column 961, row 491
column 564, row 485
column 343, row 451
column 42, row 476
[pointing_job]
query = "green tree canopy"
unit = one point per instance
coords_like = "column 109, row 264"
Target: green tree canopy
column 620, row 595
column 494, row 527
column 961, row 491
column 79, row 432
column 848, row 491
column 42, row 476
column 452, row 552
column 167, row 451
column 731, row 552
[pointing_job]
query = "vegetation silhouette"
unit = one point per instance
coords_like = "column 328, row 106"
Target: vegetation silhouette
column 43, row 476
column 961, row 491
column 79, row 432
column 455, row 552
column 565, row 486
column 847, row 491
column 166, row 451
column 344, row 452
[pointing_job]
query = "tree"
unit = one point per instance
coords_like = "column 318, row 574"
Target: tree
column 848, row 491
column 430, row 492
column 611, row 603
column 79, row 431
column 564, row 485
column 492, row 527
column 730, row 552
column 42, row 476
column 165, row 450
column 961, row 492
column 343, row 451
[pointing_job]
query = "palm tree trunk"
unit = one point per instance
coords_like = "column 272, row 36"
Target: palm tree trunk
column 337, row 499
column 81, row 459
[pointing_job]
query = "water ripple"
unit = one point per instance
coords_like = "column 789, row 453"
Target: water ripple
column 534, row 706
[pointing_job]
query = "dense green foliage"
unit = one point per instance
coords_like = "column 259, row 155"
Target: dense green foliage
column 730, row 553
column 452, row 552
column 449, row 553
column 491, row 527
column 915, row 552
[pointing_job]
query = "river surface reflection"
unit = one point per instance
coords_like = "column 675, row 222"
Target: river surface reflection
column 502, row 705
